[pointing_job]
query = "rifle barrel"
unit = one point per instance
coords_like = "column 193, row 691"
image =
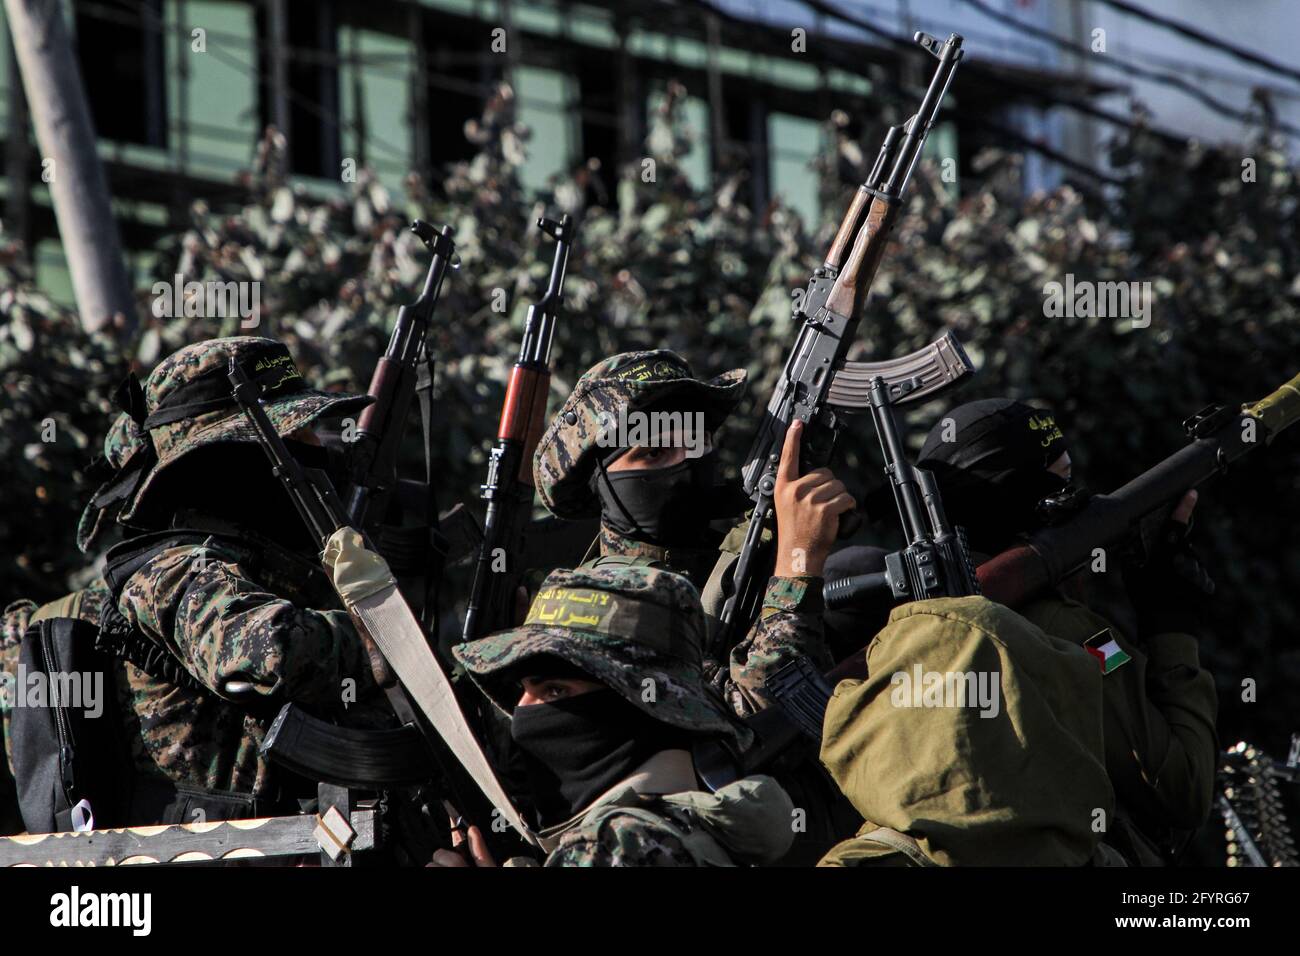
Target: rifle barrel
column 508, row 489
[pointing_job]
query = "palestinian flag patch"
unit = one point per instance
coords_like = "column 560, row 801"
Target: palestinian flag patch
column 1109, row 654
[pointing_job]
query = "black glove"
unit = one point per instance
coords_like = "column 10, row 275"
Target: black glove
column 1171, row 589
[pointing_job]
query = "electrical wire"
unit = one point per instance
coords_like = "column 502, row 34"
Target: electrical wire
column 1029, row 90
column 896, row 95
column 1240, row 53
column 397, row 155
column 1112, row 62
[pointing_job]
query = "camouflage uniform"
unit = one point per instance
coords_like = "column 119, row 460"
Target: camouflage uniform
column 790, row 622
column 252, row 622
column 640, row 631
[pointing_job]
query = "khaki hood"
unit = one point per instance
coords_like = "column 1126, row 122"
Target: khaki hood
column 1021, row 783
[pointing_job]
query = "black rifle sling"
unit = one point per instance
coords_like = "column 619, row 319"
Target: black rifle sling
column 438, row 544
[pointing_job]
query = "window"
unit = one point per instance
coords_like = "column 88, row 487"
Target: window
column 120, row 54
column 598, row 88
column 744, row 124
column 461, row 72
column 310, row 99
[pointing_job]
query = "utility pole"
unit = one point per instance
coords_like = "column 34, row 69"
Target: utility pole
column 18, row 156
column 419, row 96
column 70, row 163
column 278, row 30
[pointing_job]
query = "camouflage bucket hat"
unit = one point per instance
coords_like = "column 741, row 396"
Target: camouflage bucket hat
column 625, row 626
column 659, row 380
column 119, row 471
column 186, row 403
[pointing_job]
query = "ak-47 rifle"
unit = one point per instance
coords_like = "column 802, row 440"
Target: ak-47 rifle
column 818, row 385
column 404, row 370
column 404, row 665
column 936, row 560
column 508, row 489
column 1219, row 436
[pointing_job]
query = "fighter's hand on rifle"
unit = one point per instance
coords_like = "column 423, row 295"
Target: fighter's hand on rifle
column 1175, row 550
column 1183, row 513
column 478, row 850
column 808, row 509
column 1170, row 591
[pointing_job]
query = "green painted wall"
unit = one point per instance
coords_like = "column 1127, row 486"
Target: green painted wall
column 548, row 106
column 213, row 132
column 793, row 142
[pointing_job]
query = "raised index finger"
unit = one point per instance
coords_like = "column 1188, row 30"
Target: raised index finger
column 788, row 468
column 1183, row 513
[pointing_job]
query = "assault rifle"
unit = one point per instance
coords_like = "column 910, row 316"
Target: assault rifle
column 1219, row 436
column 404, row 371
column 936, row 560
column 818, row 385
column 508, row 489
column 403, row 663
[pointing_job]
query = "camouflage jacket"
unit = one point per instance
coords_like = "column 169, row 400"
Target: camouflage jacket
column 789, row 623
column 746, row 822
column 255, row 635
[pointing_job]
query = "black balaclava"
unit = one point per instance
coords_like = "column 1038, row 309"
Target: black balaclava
column 576, row 748
column 670, row 507
column 993, row 473
column 325, row 457
column 234, row 481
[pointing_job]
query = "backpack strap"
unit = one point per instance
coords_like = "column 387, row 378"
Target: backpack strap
column 900, row 842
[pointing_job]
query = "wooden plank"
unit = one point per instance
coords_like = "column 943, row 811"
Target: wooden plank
column 222, row 841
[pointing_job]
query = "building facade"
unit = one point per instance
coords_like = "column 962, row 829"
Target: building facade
column 179, row 90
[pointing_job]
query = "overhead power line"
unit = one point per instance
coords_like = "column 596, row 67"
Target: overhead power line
column 756, row 34
column 1132, row 69
column 1027, row 89
column 1241, row 53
